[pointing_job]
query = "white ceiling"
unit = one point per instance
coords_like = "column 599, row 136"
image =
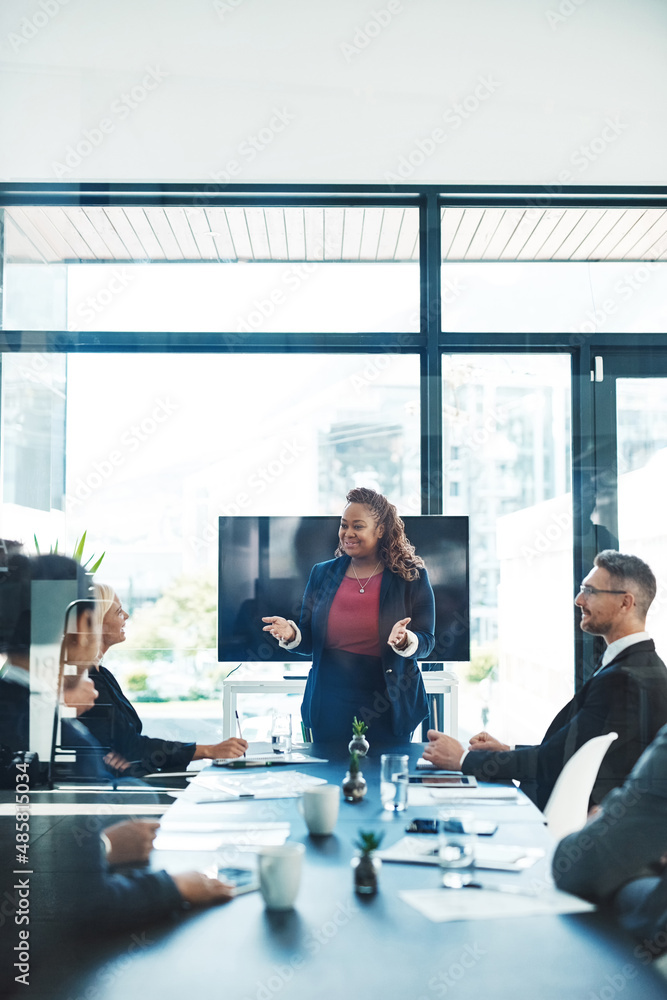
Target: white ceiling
column 551, row 92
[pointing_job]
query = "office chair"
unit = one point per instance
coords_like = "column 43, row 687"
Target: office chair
column 567, row 808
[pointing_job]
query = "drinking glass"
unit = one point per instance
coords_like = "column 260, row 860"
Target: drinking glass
column 281, row 733
column 456, row 845
column 394, row 781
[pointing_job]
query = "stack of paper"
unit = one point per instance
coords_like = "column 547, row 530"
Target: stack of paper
column 221, row 785
column 428, row 795
column 422, row 850
column 486, row 904
column 244, row 836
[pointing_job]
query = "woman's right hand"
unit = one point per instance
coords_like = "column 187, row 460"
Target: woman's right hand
column 280, row 628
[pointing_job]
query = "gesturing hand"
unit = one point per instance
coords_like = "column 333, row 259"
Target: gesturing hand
column 79, row 692
column 280, row 628
column 398, row 637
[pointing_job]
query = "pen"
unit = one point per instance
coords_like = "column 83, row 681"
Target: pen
column 237, row 762
column 228, row 798
column 238, row 723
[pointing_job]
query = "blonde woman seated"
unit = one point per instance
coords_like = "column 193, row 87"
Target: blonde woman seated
column 114, row 722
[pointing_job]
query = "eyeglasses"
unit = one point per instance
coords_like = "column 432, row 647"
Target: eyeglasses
column 590, row 591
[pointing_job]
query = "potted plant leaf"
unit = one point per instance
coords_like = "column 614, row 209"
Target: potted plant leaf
column 359, row 743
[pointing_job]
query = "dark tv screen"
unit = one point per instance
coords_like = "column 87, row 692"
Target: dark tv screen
column 265, row 562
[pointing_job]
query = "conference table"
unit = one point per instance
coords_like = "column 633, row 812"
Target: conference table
column 335, row 944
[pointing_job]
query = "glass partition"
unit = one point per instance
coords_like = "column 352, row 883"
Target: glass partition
column 641, row 405
column 507, row 465
column 237, row 271
column 158, row 446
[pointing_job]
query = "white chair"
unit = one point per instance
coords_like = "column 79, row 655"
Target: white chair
column 567, row 807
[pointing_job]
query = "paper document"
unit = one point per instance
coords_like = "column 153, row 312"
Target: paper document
column 420, row 850
column 221, row 785
column 440, row 905
column 267, row 760
column 429, row 795
column 180, row 837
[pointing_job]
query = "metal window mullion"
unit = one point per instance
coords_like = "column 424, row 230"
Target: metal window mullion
column 430, row 358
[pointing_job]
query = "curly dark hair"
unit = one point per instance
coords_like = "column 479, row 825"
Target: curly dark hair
column 396, row 552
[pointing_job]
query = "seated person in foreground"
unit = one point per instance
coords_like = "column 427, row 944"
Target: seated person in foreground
column 108, row 899
column 114, row 722
column 626, row 695
column 617, row 859
column 78, row 651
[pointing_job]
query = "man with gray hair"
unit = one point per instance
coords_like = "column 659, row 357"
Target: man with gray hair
column 627, row 694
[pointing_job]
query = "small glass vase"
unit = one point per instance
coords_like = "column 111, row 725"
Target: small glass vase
column 366, row 872
column 360, row 745
column 354, row 787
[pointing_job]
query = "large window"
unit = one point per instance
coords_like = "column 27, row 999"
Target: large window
column 173, row 355
column 642, row 473
column 237, row 271
column 506, row 436
column 160, row 445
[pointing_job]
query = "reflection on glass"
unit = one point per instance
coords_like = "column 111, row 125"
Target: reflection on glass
column 583, row 297
column 159, row 446
column 642, row 472
column 507, row 465
column 240, row 270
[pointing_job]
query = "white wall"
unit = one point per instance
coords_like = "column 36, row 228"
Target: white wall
column 556, row 72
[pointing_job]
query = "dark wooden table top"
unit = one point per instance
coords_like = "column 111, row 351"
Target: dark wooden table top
column 333, row 944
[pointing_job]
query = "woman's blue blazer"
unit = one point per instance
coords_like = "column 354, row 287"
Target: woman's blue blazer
column 404, row 693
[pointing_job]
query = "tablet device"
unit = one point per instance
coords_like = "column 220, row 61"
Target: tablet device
column 443, row 780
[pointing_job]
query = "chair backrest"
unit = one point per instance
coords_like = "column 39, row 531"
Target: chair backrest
column 567, row 807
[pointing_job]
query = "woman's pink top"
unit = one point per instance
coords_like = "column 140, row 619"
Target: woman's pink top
column 353, row 623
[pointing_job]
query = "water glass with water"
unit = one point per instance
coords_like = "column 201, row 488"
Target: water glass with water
column 281, row 733
column 394, row 781
column 456, row 843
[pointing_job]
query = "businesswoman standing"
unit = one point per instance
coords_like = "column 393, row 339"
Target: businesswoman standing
column 354, row 624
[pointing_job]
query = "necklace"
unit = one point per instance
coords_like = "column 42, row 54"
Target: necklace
column 363, row 585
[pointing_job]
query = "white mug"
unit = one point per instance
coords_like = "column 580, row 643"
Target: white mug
column 280, row 874
column 319, row 808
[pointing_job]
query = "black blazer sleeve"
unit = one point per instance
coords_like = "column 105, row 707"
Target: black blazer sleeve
column 115, row 724
column 629, row 697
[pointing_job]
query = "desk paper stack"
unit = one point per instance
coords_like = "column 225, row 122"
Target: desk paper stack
column 483, row 904
column 222, row 785
column 242, row 836
column 428, row 795
column 419, row 850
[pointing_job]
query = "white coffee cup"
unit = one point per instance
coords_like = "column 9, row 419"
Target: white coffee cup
column 319, row 808
column 280, row 874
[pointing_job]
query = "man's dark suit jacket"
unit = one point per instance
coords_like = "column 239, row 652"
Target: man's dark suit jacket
column 628, row 696
column 115, row 724
column 605, row 861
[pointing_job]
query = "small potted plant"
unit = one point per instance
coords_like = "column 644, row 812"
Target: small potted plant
column 354, row 783
column 366, row 866
column 359, row 743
